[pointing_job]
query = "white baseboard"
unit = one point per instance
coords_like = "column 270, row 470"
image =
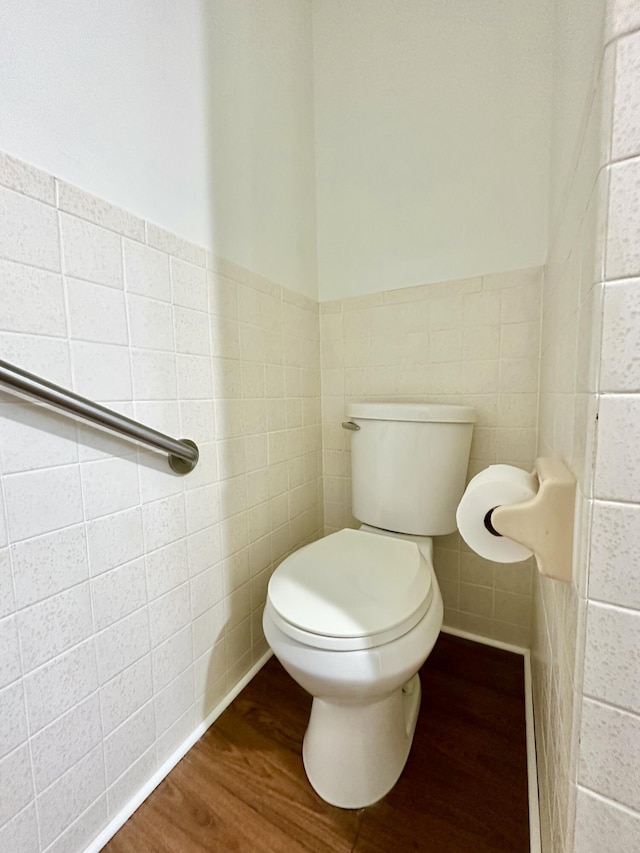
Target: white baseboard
column 124, row 814
column 485, row 641
column 535, row 844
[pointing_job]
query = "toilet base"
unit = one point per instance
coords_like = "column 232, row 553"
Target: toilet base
column 354, row 754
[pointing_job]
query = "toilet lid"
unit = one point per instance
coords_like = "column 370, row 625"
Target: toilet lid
column 352, row 585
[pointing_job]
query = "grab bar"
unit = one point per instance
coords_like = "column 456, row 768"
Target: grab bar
column 183, row 453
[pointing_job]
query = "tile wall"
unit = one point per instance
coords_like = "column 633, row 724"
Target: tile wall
column 130, row 597
column 585, row 636
column 474, row 342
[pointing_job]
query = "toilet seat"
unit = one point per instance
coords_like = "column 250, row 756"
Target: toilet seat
column 351, row 590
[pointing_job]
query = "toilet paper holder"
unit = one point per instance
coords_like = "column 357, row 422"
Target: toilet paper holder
column 543, row 524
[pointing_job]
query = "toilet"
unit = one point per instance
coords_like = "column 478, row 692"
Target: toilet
column 352, row 617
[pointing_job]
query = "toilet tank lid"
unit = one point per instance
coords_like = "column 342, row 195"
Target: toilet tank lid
column 422, row 412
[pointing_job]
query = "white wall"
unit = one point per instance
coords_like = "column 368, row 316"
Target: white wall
column 431, row 140
column 111, row 97
column 260, row 104
column 194, row 115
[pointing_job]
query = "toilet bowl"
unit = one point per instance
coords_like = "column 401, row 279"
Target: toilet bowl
column 352, row 618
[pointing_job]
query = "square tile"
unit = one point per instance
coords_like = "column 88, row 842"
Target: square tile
column 90, row 252
column 41, row 501
column 28, row 231
column 32, row 301
column 54, row 625
column 60, row 685
column 617, row 472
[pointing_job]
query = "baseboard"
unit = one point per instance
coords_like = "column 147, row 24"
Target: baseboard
column 124, row 814
column 535, row 844
column 486, row 641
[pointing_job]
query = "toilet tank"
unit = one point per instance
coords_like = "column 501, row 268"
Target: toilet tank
column 409, row 464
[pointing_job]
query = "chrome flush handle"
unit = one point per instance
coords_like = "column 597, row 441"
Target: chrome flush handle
column 350, row 425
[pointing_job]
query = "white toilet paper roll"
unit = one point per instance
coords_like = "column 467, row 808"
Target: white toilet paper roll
column 496, row 486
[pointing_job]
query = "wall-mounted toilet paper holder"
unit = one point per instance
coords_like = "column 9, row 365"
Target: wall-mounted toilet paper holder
column 544, row 524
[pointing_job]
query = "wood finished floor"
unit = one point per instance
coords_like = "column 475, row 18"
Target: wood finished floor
column 242, row 787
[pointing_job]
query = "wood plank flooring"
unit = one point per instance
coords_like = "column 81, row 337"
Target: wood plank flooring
column 242, row 787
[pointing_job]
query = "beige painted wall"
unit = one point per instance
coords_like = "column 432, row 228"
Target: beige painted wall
column 432, row 141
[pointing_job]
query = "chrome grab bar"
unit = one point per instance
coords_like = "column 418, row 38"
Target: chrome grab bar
column 183, row 453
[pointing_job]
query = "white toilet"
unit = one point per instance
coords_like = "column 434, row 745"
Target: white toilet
column 353, row 616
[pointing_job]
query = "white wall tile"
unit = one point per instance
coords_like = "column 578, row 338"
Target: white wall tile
column 28, row 231
column 192, row 331
column 124, row 694
column 154, row 375
column 610, row 753
column 21, row 833
column 33, row 437
column 54, row 625
column 604, row 825
column 189, row 285
column 620, row 362
column 114, row 540
column 203, row 548
column 10, row 667
column 90, row 252
column 57, row 747
column 521, row 304
column 206, row 590
column 117, row 593
column 70, row 795
column 163, row 522
column 174, row 737
column 146, row 271
column 159, row 238
column 625, row 140
column 41, row 501
column 150, row 323
column 622, row 17
column 208, row 629
column 166, row 568
column 101, row 372
column 194, row 377
column 16, row 782
column 83, row 830
column 615, row 550
column 168, row 614
column 127, row 743
column 96, row 313
column 32, row 301
column 46, row 357
column 121, row 644
column 611, row 665
column 617, row 473
column 80, row 203
column 110, row 486
column 13, row 714
column 623, row 232
column 174, row 700
column 19, row 176
column 60, row 684
column 128, row 785
column 171, row 658
column 202, row 507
